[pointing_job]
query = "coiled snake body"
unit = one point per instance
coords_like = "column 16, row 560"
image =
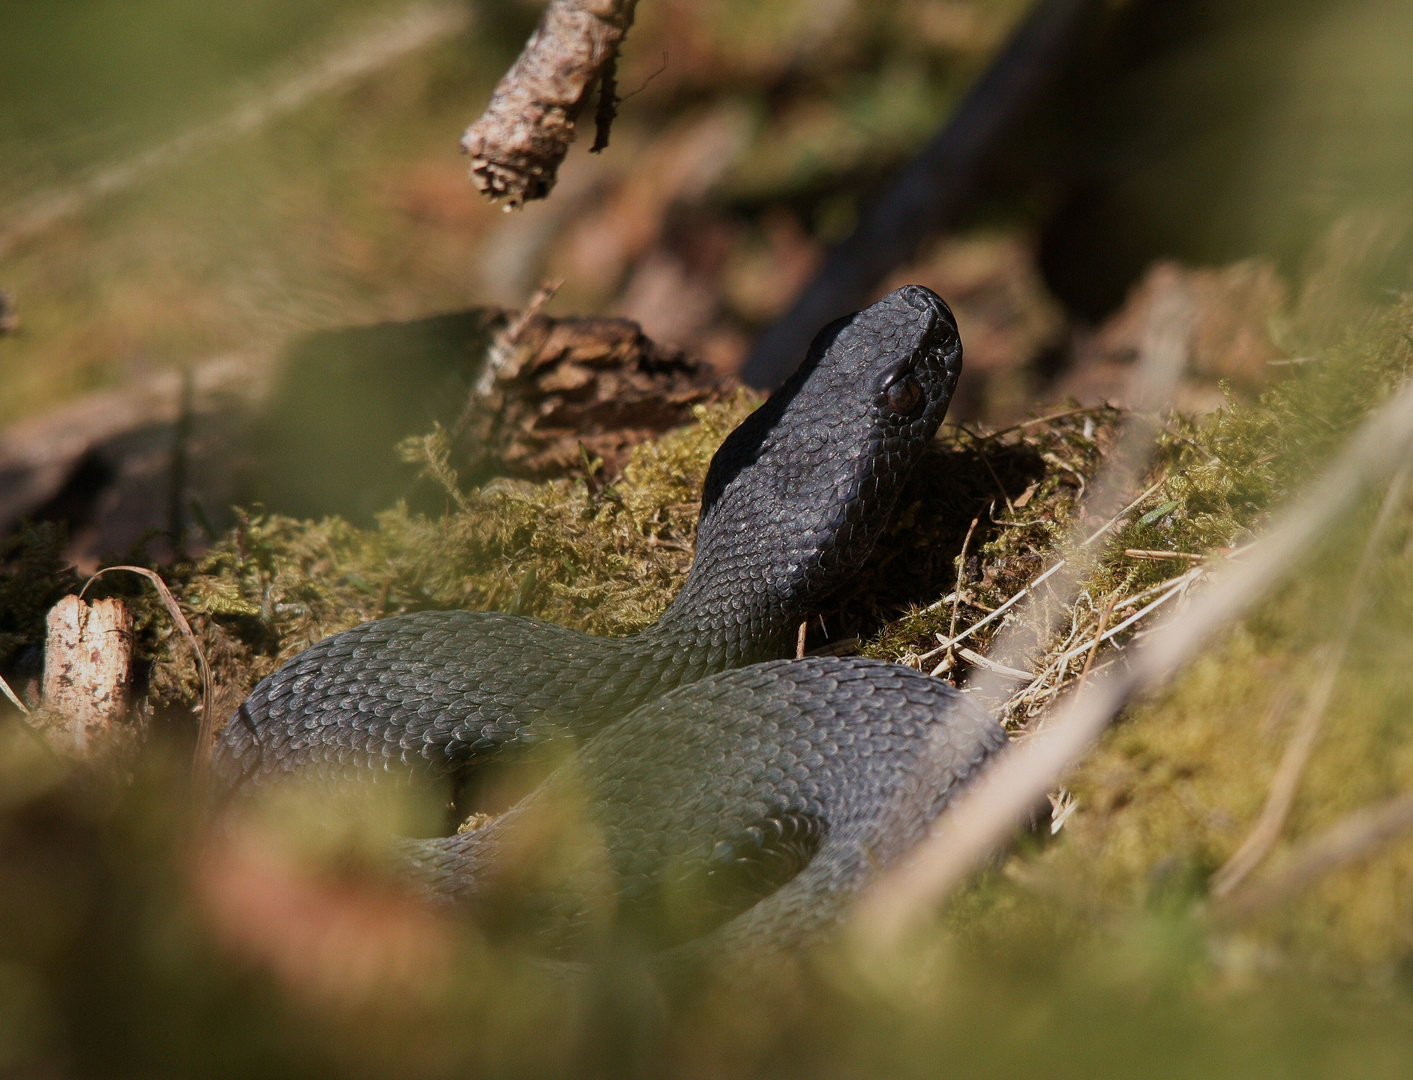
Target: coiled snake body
column 731, row 793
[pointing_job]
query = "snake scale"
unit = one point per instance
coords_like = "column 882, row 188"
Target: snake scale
column 733, row 796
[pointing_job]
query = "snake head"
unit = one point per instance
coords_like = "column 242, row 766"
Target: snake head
column 797, row 495
column 904, row 349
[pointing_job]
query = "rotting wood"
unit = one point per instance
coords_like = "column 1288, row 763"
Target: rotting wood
column 87, row 674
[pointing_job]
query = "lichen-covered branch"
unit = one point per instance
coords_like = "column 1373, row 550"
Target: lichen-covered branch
column 519, row 141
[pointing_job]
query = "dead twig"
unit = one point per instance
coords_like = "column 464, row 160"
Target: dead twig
column 517, row 145
column 206, row 735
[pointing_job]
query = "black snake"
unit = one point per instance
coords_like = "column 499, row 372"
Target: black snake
column 731, row 793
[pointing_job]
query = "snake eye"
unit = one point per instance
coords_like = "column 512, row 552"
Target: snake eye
column 904, row 394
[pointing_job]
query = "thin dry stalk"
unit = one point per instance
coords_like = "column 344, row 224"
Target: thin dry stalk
column 957, row 593
column 1094, row 645
column 1163, row 556
column 1039, row 420
column 1286, row 782
column 976, row 658
column 1057, row 667
column 1355, row 836
column 349, row 60
column 989, row 619
column 502, row 352
column 988, row 812
column 206, row 735
column 1175, row 586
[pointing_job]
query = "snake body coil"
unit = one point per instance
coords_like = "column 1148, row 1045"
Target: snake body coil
column 732, row 794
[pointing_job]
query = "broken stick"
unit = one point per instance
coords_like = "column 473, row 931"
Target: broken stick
column 518, row 143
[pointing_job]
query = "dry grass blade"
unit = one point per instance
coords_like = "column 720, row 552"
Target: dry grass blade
column 1038, row 691
column 982, row 624
column 1353, row 837
column 1104, row 617
column 987, row 813
column 1163, row 556
column 1039, row 421
column 990, row 665
column 1172, row 589
column 14, row 698
column 957, row 592
column 379, row 45
column 206, row 737
column 1263, row 835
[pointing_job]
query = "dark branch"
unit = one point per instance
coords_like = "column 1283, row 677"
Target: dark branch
column 929, row 191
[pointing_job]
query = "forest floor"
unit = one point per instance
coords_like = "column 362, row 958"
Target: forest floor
column 133, row 940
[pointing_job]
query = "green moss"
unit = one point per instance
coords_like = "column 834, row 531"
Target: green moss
column 1174, row 789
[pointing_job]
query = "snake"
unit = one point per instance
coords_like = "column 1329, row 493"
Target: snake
column 726, row 791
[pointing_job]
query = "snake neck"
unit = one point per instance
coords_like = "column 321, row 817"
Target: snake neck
column 724, row 627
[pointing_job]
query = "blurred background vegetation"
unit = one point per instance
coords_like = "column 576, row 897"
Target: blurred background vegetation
column 226, row 227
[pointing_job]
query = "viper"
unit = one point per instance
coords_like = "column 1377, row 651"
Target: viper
column 727, row 793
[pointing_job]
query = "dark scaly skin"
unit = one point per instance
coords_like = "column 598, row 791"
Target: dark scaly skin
column 755, row 803
column 792, row 504
column 730, row 802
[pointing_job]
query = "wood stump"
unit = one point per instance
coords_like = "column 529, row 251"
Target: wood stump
column 87, row 672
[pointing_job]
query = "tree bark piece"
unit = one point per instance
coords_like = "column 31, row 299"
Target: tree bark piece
column 569, row 387
column 87, row 671
column 518, row 143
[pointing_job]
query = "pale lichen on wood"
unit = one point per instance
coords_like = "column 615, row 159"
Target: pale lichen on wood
column 87, row 674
